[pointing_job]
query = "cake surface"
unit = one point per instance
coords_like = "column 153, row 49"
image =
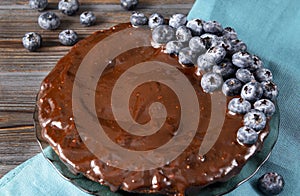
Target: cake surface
column 198, row 157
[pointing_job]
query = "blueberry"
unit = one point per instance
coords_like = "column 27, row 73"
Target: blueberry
column 270, row 90
column 236, row 46
column 226, row 69
column 218, row 53
column 205, row 63
column 49, row 21
column 68, row 7
column 257, row 63
column 163, row 34
column 210, row 40
column 32, row 41
column 244, row 75
column 229, row 33
column 239, row 106
column 255, row 119
column 38, row 4
column 263, row 74
column 246, row 135
column 177, row 20
column 129, row 4
column 155, row 20
column 68, row 37
column 211, row 81
column 173, row 47
column 252, row 91
column 87, row 18
column 242, row 59
column 197, row 45
column 213, row 27
column 187, row 57
column 138, row 19
column 183, row 34
column 271, row 183
column 231, row 87
column 196, row 26
column 266, row 106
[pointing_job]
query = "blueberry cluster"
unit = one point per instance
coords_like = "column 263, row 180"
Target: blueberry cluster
column 222, row 62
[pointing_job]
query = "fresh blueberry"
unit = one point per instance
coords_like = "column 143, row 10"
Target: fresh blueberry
column 229, row 33
column 255, row 119
column 246, row 135
column 163, row 34
column 68, row 37
column 231, row 87
column 270, row 90
column 239, row 106
column 129, row 4
column 49, row 21
column 271, row 183
column 38, row 4
column 244, row 75
column 196, row 26
column 68, row 7
column 236, row 46
column 211, row 81
column 187, row 57
column 263, row 74
column 138, row 19
column 218, row 53
column 177, row 20
column 226, row 69
column 183, row 34
column 252, row 91
column 32, row 41
column 213, row 27
column 210, row 40
column 197, row 45
column 205, row 63
column 257, row 64
column 242, row 59
column 266, row 106
column 173, row 47
column 87, row 18
column 155, row 20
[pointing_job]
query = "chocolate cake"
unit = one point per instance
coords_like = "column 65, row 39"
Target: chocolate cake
column 180, row 138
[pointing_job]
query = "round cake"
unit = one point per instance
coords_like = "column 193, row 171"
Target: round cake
column 133, row 117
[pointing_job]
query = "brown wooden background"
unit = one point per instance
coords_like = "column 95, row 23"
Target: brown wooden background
column 21, row 72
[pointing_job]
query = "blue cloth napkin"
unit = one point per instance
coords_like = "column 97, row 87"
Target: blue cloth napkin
column 271, row 30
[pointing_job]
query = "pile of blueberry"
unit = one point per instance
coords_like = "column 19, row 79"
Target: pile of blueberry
column 223, row 62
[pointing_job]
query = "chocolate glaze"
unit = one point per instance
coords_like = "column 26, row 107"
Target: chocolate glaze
column 224, row 160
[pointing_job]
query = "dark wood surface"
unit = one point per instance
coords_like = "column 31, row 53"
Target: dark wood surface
column 21, row 72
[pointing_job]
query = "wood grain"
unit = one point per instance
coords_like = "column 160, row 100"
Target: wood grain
column 21, row 72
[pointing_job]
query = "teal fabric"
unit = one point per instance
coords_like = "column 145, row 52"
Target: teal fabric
column 271, row 30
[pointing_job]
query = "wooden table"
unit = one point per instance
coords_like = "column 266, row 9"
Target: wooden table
column 21, row 72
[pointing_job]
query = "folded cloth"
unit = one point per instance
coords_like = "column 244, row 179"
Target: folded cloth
column 271, row 30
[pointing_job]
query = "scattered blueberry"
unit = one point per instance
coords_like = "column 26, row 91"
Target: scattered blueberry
column 229, row 33
column 38, row 4
column 236, row 46
column 183, row 34
column 218, row 53
column 255, row 119
column 266, row 106
column 212, row 27
column 87, row 18
column 271, row 183
column 226, row 69
column 252, row 91
column 263, row 74
column 68, row 37
column 257, row 63
column 196, row 26
column 244, row 75
column 129, row 4
column 211, row 81
column 187, row 57
column 239, row 106
column 242, row 59
column 231, row 87
column 197, row 45
column 173, row 47
column 68, row 7
column 138, row 19
column 270, row 90
column 246, row 135
column 32, row 41
column 49, row 21
column 163, row 34
column 177, row 20
column 155, row 20
column 209, row 40
column 205, row 63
